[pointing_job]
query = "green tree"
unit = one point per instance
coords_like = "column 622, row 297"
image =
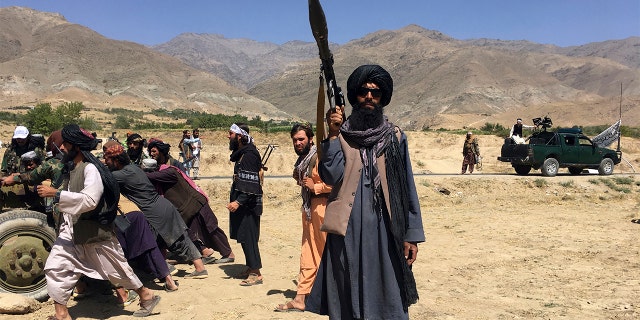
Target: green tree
column 122, row 122
column 44, row 120
column 69, row 112
column 40, row 119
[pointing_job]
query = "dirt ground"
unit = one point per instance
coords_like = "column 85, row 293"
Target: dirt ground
column 499, row 246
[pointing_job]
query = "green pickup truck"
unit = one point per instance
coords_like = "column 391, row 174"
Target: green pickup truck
column 562, row 148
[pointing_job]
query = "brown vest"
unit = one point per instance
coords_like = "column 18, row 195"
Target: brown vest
column 341, row 199
column 182, row 195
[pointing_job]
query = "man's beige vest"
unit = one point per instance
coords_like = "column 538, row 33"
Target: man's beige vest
column 341, row 199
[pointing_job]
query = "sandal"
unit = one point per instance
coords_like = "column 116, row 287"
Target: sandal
column 252, row 280
column 224, row 260
column 287, row 307
column 131, row 297
column 146, row 307
column 171, row 290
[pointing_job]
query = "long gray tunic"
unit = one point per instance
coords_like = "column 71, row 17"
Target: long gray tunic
column 161, row 214
column 359, row 275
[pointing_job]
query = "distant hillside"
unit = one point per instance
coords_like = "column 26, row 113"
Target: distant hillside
column 44, row 58
column 439, row 81
column 241, row 62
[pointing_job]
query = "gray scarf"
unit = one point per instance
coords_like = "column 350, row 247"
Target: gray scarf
column 372, row 143
column 299, row 173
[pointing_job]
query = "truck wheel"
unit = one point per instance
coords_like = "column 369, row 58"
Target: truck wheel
column 522, row 170
column 25, row 243
column 606, row 167
column 575, row 170
column 550, row 167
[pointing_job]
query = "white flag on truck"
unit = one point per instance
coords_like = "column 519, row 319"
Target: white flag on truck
column 609, row 136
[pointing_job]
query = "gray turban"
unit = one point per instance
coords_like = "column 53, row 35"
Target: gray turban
column 370, row 73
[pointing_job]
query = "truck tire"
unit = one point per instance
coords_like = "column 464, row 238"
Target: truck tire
column 550, row 167
column 606, row 167
column 575, row 170
column 522, row 170
column 25, row 242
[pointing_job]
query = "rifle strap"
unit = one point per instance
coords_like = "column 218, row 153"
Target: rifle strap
column 320, row 132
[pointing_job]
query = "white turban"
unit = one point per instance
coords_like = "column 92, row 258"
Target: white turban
column 237, row 130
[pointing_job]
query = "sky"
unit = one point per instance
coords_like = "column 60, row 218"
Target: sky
column 151, row 22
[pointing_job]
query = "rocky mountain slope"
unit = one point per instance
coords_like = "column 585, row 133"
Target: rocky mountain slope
column 439, row 81
column 44, row 58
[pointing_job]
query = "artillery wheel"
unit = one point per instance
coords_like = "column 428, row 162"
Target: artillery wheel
column 25, row 242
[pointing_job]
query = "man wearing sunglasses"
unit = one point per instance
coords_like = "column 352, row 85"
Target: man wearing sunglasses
column 373, row 216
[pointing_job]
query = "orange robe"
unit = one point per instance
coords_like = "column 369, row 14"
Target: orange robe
column 312, row 238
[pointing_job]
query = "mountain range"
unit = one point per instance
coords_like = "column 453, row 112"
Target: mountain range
column 439, row 81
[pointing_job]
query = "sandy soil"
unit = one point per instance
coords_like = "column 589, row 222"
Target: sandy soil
column 499, row 246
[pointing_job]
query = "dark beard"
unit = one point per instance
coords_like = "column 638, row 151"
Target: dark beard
column 234, row 144
column 69, row 155
column 304, row 151
column 362, row 119
column 134, row 154
column 67, row 160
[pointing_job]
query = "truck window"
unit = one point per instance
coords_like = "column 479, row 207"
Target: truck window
column 569, row 140
column 585, row 142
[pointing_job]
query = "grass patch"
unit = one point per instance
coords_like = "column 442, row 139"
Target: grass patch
column 540, row 183
column 613, row 185
column 624, row 180
column 567, row 184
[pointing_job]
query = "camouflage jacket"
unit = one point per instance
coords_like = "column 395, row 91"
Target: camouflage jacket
column 50, row 169
column 11, row 159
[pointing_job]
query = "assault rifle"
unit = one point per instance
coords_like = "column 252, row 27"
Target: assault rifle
column 318, row 24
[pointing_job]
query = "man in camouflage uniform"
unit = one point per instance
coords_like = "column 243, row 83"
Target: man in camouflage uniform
column 50, row 169
column 21, row 143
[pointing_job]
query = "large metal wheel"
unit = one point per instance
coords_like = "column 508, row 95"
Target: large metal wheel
column 522, row 170
column 606, row 167
column 550, row 167
column 25, row 243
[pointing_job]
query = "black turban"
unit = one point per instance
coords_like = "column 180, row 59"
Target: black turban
column 86, row 142
column 370, row 73
column 134, row 137
column 79, row 137
column 161, row 146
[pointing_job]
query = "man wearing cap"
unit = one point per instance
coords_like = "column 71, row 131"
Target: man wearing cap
column 245, row 206
column 51, row 169
column 373, row 215
column 86, row 244
column 20, row 144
